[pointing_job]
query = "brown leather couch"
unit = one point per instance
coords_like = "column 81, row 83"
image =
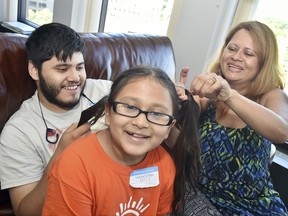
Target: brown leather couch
column 107, row 55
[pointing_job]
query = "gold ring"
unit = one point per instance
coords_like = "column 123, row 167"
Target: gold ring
column 213, row 79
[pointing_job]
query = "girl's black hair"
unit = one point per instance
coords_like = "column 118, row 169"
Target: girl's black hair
column 186, row 153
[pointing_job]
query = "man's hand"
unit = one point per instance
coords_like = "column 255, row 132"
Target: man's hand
column 71, row 134
column 29, row 199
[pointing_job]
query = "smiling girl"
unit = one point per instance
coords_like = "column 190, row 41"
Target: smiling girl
column 124, row 169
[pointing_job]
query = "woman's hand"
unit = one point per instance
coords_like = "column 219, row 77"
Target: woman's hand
column 180, row 86
column 210, row 85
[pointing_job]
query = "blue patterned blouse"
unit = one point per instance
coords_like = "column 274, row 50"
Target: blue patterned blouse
column 234, row 174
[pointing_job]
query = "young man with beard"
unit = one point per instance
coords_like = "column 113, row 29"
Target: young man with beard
column 29, row 139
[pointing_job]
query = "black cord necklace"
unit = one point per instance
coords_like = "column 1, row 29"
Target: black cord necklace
column 49, row 131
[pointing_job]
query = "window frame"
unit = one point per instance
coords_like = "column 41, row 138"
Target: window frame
column 103, row 14
column 21, row 16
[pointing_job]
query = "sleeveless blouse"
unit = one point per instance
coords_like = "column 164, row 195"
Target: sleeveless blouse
column 235, row 174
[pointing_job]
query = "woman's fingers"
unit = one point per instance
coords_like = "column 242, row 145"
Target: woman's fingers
column 184, row 75
column 205, row 85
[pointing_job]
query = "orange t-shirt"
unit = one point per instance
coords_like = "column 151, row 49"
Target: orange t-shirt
column 86, row 181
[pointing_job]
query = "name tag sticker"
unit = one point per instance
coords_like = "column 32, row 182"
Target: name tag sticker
column 144, row 178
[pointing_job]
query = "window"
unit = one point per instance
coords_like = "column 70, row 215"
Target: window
column 277, row 20
column 36, row 12
column 141, row 16
column 32, row 4
column 42, row 5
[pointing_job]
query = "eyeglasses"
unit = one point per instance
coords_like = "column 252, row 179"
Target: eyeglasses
column 133, row 111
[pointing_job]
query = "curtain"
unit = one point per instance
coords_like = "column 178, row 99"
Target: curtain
column 93, row 15
column 8, row 10
column 245, row 11
column 85, row 15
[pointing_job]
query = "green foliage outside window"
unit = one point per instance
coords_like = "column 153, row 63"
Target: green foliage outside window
column 280, row 28
column 40, row 17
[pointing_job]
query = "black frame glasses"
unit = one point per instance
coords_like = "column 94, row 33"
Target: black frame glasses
column 130, row 111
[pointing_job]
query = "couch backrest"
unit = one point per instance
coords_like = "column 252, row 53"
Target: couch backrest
column 107, row 55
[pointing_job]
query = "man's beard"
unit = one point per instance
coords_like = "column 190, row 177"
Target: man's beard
column 51, row 92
